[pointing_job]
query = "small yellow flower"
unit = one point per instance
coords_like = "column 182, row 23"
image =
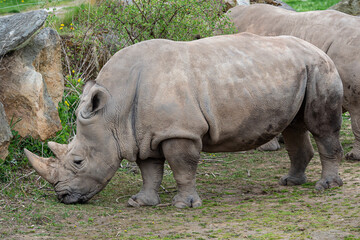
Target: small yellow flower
column 79, row 80
column 62, row 24
column 73, row 71
column 67, row 103
column 61, row 28
column 75, row 226
column 70, row 24
column 125, row 230
column 22, row 0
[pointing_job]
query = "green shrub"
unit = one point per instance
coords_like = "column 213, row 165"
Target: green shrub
column 180, row 20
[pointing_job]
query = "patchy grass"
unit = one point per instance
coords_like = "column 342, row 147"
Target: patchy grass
column 17, row 6
column 241, row 199
column 307, row 5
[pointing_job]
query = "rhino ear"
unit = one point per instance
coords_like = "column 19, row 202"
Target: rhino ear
column 94, row 101
column 88, row 85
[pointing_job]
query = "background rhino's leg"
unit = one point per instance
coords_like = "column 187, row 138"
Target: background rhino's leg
column 152, row 173
column 183, row 156
column 272, row 145
column 354, row 154
column 300, row 150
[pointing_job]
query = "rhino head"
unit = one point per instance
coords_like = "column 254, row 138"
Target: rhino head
column 84, row 166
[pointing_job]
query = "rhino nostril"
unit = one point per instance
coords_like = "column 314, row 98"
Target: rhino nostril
column 61, row 197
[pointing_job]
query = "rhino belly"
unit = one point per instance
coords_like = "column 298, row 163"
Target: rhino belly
column 249, row 120
column 250, row 134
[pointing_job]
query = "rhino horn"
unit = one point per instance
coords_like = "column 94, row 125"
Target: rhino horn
column 58, row 149
column 45, row 167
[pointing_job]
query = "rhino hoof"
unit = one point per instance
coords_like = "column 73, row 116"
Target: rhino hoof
column 143, row 199
column 273, row 145
column 184, row 205
column 288, row 180
column 352, row 156
column 132, row 203
column 326, row 183
column 193, row 201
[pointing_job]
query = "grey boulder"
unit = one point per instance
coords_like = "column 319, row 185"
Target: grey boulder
column 16, row 29
column 5, row 133
column 351, row 7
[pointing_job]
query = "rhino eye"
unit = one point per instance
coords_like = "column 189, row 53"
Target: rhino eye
column 78, row 161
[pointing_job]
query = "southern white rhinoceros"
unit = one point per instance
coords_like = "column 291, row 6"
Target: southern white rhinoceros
column 163, row 100
column 336, row 33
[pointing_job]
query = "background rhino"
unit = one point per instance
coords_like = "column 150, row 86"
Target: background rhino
column 162, row 100
column 336, row 33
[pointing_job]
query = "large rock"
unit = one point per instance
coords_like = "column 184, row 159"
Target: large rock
column 16, row 29
column 351, row 7
column 48, row 61
column 24, row 91
column 5, row 133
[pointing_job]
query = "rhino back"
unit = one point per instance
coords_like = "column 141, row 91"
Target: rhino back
column 336, row 33
column 215, row 91
column 320, row 28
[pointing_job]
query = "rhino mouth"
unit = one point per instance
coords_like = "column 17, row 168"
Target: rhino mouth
column 71, row 197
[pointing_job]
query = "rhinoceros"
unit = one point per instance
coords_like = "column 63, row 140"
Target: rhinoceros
column 165, row 100
column 336, row 33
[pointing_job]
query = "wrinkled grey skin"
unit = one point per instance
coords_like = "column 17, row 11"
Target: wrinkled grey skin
column 336, row 33
column 162, row 100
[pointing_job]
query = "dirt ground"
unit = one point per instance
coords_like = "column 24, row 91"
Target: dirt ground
column 241, row 200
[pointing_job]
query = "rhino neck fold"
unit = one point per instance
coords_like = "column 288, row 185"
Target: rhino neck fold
column 125, row 141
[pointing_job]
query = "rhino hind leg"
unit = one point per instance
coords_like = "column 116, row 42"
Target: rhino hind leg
column 323, row 118
column 183, row 156
column 330, row 156
column 300, row 151
column 354, row 154
column 152, row 173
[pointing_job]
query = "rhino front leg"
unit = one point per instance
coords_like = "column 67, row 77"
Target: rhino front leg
column 152, row 173
column 300, row 151
column 183, row 156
